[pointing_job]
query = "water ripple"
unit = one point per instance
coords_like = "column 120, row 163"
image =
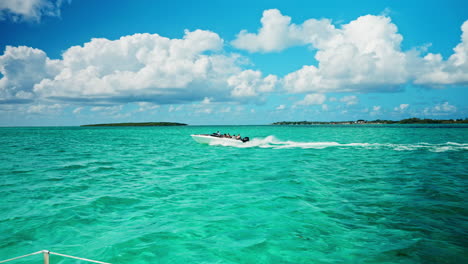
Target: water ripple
column 305, row 195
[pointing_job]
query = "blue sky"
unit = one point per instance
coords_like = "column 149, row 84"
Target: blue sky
column 221, row 62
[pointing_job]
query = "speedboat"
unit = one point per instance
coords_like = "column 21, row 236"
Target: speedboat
column 214, row 138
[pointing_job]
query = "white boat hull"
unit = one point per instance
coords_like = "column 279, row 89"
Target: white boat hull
column 207, row 139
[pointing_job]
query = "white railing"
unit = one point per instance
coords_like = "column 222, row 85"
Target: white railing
column 47, row 254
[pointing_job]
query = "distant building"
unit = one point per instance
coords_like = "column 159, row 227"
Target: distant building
column 360, row 121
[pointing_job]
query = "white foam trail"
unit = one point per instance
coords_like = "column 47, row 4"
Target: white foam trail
column 274, row 143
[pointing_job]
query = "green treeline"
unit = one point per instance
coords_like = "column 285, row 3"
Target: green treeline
column 139, row 124
column 378, row 121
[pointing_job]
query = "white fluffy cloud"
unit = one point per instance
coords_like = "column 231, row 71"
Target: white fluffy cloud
column 137, row 68
column 376, row 110
column 401, row 108
column 44, row 108
column 22, row 67
column 146, row 106
column 350, row 100
column 175, row 109
column 277, row 33
column 207, row 106
column 29, row 10
column 440, row 109
column 249, row 83
column 434, row 71
column 77, row 110
column 312, row 99
column 280, row 107
column 141, row 65
column 364, row 55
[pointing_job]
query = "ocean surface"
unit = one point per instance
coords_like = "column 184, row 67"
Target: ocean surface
column 293, row 194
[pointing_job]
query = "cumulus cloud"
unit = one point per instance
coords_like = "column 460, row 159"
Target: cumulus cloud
column 175, row 109
column 140, row 66
column 113, row 110
column 350, row 100
column 77, row 110
column 445, row 107
column 44, row 108
column 22, row 67
column 280, row 107
column 364, row 55
column 146, row 106
column 136, row 68
column 208, row 106
column 277, row 33
column 250, row 83
column 376, row 110
column 401, row 108
column 312, row 99
column 29, row 10
column 434, row 71
column 440, row 109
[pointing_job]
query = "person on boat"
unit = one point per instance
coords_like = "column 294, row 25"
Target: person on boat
column 238, row 136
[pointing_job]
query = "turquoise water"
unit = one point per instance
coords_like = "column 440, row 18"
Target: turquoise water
column 299, row 194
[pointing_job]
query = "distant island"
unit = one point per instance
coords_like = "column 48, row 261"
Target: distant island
column 137, row 124
column 378, row 121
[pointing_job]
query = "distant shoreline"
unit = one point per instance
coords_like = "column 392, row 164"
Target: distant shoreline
column 385, row 122
column 136, row 124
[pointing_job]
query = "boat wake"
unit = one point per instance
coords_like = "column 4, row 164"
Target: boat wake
column 274, row 143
